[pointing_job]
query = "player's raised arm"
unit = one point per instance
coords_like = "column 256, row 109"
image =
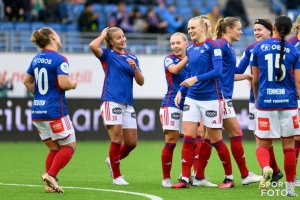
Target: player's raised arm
column 95, row 44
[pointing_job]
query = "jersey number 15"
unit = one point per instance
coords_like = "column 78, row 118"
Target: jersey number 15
column 269, row 59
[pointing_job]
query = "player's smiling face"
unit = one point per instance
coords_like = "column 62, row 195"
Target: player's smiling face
column 195, row 30
column 261, row 33
column 118, row 40
column 178, row 45
column 236, row 31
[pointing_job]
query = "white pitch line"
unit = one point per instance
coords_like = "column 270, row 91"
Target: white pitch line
column 149, row 196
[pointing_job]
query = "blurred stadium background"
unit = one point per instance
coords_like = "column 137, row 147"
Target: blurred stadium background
column 15, row 34
column 151, row 48
column 21, row 162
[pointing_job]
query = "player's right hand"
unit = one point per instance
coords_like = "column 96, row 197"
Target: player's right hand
column 104, row 32
column 177, row 99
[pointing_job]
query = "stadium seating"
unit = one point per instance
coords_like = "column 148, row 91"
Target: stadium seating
column 7, row 26
column 73, row 40
column 24, row 26
column 37, row 25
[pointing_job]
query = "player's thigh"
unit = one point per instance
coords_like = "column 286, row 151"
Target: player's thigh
column 232, row 126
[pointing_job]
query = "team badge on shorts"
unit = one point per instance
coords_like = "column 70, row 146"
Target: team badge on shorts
column 229, row 103
column 133, row 115
column 263, row 124
column 251, row 116
column 211, row 113
column 186, row 107
column 295, row 121
column 57, row 126
column 175, row 116
column 117, row 111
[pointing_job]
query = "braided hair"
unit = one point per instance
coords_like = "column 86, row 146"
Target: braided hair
column 283, row 25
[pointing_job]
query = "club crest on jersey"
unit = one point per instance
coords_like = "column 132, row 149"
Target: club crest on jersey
column 64, row 67
column 217, row 52
column 168, row 61
column 265, row 47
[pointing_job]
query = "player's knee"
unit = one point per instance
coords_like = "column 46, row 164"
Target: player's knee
column 132, row 146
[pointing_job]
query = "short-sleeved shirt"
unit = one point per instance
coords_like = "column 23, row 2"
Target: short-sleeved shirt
column 118, row 81
column 274, row 93
column 173, row 82
column 49, row 100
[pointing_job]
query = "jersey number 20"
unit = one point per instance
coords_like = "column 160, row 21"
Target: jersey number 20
column 269, row 58
column 41, row 79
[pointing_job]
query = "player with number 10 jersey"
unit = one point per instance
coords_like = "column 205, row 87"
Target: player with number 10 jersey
column 49, row 99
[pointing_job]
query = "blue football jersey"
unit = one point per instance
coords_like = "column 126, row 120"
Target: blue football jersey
column 274, row 93
column 118, row 81
column 173, row 82
column 295, row 42
column 205, row 62
column 49, row 100
column 244, row 63
column 229, row 65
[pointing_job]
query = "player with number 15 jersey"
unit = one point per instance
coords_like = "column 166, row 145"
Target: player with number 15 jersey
column 275, row 93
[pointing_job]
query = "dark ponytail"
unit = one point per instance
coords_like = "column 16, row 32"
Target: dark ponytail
column 283, row 25
column 282, row 41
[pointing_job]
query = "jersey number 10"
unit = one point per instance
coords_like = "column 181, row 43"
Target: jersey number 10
column 41, row 79
column 269, row 58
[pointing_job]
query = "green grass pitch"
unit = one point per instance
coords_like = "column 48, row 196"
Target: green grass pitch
column 23, row 163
